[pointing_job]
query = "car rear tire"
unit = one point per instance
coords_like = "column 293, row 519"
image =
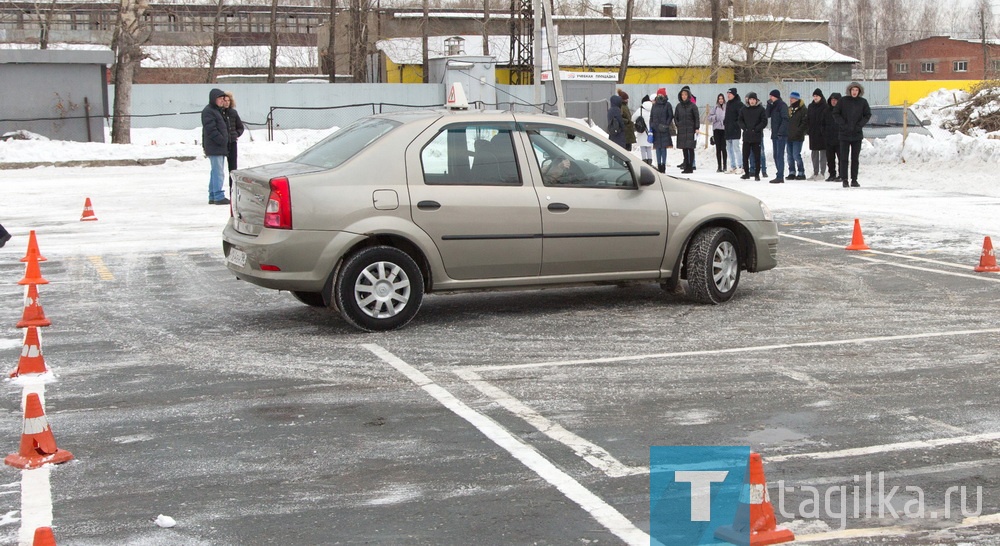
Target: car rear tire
column 713, row 265
column 312, row 299
column 379, row 288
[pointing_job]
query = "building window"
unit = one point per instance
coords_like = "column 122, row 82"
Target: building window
column 928, row 67
column 960, row 66
column 902, row 68
column 996, row 65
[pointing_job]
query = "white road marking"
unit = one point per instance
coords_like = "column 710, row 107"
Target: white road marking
column 990, row 519
column 881, row 253
column 749, row 349
column 597, row 456
column 886, row 448
column 601, row 511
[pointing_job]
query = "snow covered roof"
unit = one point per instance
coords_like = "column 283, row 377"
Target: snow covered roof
column 160, row 56
column 648, row 50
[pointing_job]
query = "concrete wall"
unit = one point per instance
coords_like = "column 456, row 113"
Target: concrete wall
column 52, row 93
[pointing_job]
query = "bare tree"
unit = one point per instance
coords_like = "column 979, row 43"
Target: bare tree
column 626, row 40
column 426, row 64
column 272, row 62
column 130, row 33
column 330, row 58
column 216, row 41
column 716, row 31
column 486, row 25
column 359, row 39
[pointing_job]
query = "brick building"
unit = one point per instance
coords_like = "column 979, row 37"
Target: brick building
column 943, row 58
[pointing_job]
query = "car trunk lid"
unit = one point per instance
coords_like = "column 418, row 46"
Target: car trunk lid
column 251, row 189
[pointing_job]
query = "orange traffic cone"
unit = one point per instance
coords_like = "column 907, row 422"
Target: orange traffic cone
column 754, row 524
column 31, row 360
column 857, row 240
column 33, row 315
column 32, row 274
column 38, row 445
column 988, row 260
column 88, row 212
column 33, row 254
column 43, row 537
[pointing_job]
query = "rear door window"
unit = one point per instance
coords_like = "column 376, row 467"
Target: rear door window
column 471, row 154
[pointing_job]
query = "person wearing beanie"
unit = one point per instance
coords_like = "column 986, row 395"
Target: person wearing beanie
column 817, row 144
column 852, row 114
column 687, row 120
column 831, row 136
column 777, row 113
column 630, row 139
column 661, row 115
column 798, row 126
column 752, row 121
column 215, row 144
column 643, row 131
column 731, row 126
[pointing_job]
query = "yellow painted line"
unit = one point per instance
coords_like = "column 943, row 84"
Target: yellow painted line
column 102, row 270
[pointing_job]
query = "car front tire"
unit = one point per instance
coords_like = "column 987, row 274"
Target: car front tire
column 379, row 288
column 713, row 265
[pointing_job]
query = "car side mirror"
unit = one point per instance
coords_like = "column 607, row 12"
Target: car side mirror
column 925, row 122
column 646, row 176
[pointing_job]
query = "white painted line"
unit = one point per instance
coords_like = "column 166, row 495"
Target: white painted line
column 886, row 448
column 990, row 519
column 601, row 511
column 588, row 451
column 879, row 252
column 750, row 349
column 946, row 468
column 976, row 276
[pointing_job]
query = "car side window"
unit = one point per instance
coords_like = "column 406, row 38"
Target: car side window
column 471, row 154
column 569, row 159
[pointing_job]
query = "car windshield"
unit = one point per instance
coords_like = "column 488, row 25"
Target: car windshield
column 893, row 117
column 342, row 145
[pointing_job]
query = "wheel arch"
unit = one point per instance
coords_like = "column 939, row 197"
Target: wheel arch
column 381, row 239
column 747, row 248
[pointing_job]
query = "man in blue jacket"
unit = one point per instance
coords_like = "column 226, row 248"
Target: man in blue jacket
column 215, row 143
column 777, row 113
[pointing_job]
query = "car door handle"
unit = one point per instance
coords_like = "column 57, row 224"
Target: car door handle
column 428, row 205
column 558, row 207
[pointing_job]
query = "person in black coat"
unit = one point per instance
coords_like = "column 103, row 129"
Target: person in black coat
column 235, row 125
column 831, row 137
column 777, row 112
column 616, row 124
column 852, row 114
column 687, row 120
column 817, row 144
column 661, row 114
column 4, row 236
column 732, row 127
column 752, row 120
column 215, row 144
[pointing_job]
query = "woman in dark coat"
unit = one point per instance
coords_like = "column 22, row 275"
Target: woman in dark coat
column 627, row 118
column 686, row 119
column 752, row 120
column 616, row 124
column 660, row 116
column 817, row 143
column 831, row 136
column 235, row 125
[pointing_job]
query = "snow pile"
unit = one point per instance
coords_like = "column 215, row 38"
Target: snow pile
column 975, row 114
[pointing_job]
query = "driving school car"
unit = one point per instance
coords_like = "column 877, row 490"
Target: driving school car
column 400, row 205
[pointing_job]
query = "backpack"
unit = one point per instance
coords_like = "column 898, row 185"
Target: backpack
column 615, row 127
column 640, row 124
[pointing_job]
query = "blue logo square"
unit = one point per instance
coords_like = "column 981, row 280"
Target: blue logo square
column 695, row 490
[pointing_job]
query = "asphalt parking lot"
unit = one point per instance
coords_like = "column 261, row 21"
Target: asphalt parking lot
column 510, row 417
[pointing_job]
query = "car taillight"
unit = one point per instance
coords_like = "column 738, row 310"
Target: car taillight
column 278, row 213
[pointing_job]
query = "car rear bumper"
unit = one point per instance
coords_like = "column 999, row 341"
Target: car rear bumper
column 304, row 259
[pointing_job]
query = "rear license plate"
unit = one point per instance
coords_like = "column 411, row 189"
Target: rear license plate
column 237, row 257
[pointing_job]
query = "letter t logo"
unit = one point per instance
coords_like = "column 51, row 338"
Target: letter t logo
column 701, row 490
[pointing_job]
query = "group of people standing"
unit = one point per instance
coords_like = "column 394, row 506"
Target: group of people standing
column 221, row 126
column 834, row 127
column 655, row 125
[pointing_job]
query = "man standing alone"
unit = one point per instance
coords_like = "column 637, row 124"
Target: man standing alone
column 215, row 143
column 777, row 113
column 852, row 114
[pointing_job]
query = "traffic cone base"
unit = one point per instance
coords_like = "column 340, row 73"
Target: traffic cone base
column 38, row 445
column 754, row 524
column 857, row 240
column 32, row 254
column 31, row 361
column 33, row 315
column 988, row 260
column 43, row 537
column 88, row 212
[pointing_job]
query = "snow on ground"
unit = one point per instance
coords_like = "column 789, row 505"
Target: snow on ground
column 930, row 194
